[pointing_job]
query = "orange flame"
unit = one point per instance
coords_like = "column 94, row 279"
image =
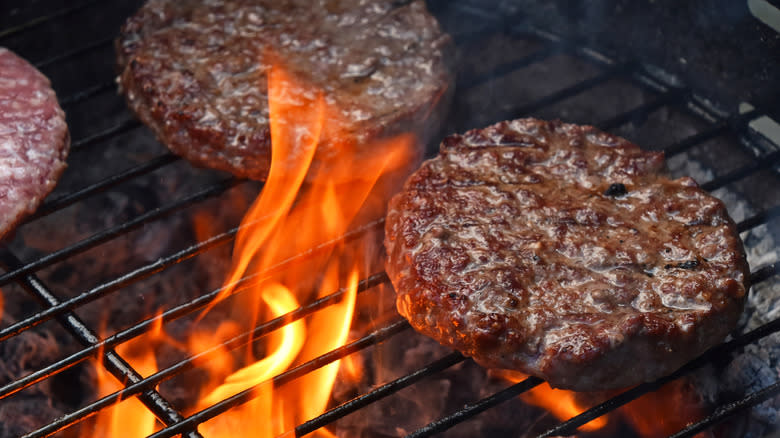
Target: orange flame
column 290, row 218
column 128, row 418
column 656, row 414
column 561, row 403
column 665, row 411
column 287, row 220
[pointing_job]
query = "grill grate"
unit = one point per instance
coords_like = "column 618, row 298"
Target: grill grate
column 659, row 93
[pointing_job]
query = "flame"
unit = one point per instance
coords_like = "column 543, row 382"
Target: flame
column 656, row 414
column 665, row 411
column 288, row 219
column 128, row 418
column 561, row 403
column 292, row 215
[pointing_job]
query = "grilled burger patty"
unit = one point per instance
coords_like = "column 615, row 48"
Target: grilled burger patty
column 34, row 139
column 562, row 252
column 195, row 71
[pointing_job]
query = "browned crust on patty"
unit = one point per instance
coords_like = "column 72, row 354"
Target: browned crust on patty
column 195, row 72
column 563, row 252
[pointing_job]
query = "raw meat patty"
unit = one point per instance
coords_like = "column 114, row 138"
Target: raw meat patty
column 34, row 139
column 562, row 252
column 195, row 71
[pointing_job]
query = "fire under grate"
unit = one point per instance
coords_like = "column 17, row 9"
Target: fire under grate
column 149, row 191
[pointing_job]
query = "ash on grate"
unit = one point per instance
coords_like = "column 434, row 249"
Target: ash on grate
column 758, row 364
column 429, row 399
column 39, row 404
column 121, row 308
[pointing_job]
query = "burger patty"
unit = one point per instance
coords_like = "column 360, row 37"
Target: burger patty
column 195, row 71
column 34, row 139
column 562, row 252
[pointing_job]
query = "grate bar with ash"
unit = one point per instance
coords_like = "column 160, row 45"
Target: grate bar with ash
column 570, row 426
column 114, row 363
column 478, row 407
column 729, row 409
column 189, row 363
column 758, row 163
column 114, row 180
column 377, row 394
column 116, row 231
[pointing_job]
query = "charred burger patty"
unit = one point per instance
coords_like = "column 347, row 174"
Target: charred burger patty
column 562, row 252
column 195, row 71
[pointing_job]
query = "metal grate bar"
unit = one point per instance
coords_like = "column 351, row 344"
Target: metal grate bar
column 44, row 18
column 758, row 219
column 760, row 163
column 112, row 361
column 181, row 310
column 166, row 262
column 75, row 52
column 377, row 394
column 763, row 273
column 126, row 126
column 473, row 409
column 596, row 57
column 191, row 362
column 729, row 409
column 509, row 67
column 87, row 93
column 570, row 426
column 507, row 26
column 110, row 233
column 643, row 110
column 114, row 180
column 570, row 91
column 291, row 374
column 112, row 286
column 722, row 127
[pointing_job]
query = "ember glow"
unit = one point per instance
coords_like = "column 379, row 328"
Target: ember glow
column 292, row 215
column 562, row 404
column 665, row 411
